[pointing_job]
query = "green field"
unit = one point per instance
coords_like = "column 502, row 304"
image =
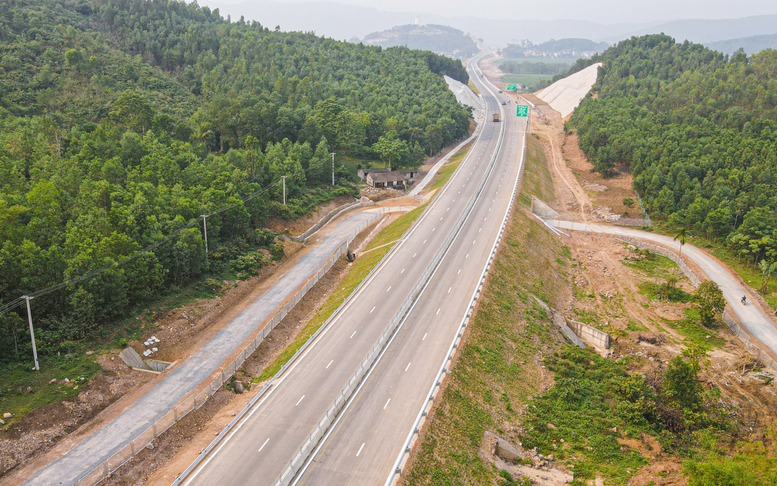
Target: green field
column 549, row 60
column 528, row 80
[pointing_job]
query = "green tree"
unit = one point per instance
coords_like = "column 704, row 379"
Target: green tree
column 710, row 301
column 681, row 236
column 390, row 149
column 768, row 270
column 681, row 387
column 133, row 110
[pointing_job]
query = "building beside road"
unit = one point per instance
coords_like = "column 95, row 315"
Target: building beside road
column 394, row 178
column 362, row 173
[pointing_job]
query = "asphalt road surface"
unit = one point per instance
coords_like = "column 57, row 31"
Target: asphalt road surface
column 258, row 448
column 107, row 440
column 365, row 443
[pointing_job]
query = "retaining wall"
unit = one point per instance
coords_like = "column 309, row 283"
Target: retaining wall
column 590, row 334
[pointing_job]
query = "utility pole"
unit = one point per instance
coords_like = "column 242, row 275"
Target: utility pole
column 333, row 168
column 205, row 230
column 32, row 332
column 284, row 189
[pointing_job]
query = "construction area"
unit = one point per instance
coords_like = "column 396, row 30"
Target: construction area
column 623, row 299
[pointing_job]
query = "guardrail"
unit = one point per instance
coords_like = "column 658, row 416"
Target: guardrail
column 239, row 416
column 194, row 402
column 299, row 458
column 752, row 347
column 407, row 447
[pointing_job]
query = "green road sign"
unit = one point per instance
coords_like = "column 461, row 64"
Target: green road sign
column 523, row 111
column 511, row 87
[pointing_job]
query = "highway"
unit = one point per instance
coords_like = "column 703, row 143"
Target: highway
column 365, row 443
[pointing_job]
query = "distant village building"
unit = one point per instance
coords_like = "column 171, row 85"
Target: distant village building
column 394, row 178
column 362, row 173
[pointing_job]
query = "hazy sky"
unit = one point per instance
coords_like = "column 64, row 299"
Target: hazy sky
column 604, row 11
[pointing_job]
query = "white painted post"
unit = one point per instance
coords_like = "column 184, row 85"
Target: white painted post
column 333, row 168
column 32, row 333
column 205, row 231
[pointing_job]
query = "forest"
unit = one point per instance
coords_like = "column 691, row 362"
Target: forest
column 122, row 122
column 438, row 38
column 698, row 131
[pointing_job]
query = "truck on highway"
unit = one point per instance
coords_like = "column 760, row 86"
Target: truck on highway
column 496, row 117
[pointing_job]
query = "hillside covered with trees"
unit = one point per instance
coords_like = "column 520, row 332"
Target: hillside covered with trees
column 554, row 48
column 437, row 38
column 697, row 129
column 123, row 121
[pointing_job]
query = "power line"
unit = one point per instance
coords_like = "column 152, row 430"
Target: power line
column 148, row 249
column 11, row 305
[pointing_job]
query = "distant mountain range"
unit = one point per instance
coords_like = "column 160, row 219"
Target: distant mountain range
column 436, row 38
column 706, row 31
column 752, row 44
column 345, row 22
column 341, row 21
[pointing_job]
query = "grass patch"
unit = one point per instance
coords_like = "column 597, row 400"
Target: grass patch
column 529, row 80
column 635, row 326
column 446, row 171
column 495, row 372
column 533, row 60
column 358, row 272
column 24, row 389
column 473, row 87
column 694, row 332
column 651, row 264
column 654, row 291
column 593, row 401
column 536, row 179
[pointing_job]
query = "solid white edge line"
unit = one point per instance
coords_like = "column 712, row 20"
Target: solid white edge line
column 398, row 463
column 393, row 252
column 301, row 472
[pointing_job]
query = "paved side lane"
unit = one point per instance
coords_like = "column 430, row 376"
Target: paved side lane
column 107, row 440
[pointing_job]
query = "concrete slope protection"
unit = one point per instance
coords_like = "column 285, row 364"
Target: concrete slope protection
column 466, row 96
column 362, row 448
column 566, row 94
column 258, row 448
column 751, row 317
column 185, row 378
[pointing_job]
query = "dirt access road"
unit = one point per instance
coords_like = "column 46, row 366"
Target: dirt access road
column 585, row 197
column 752, row 317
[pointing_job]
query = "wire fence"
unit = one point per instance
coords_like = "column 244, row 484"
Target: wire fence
column 751, row 346
column 195, row 401
column 644, row 211
column 635, row 222
column 299, row 458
